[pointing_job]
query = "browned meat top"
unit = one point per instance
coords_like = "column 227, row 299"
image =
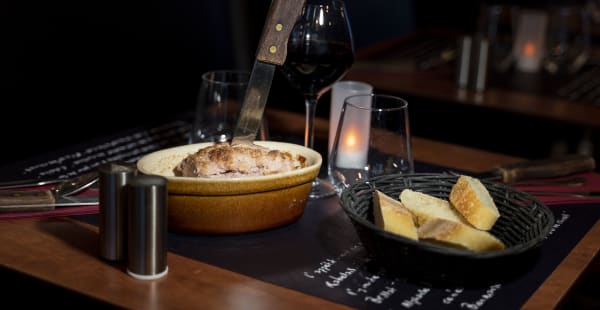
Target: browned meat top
column 223, row 160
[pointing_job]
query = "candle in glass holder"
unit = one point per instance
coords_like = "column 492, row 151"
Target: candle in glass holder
column 353, row 147
column 372, row 139
column 339, row 92
column 530, row 40
column 353, row 144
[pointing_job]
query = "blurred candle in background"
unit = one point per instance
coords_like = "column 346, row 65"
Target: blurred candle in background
column 530, row 40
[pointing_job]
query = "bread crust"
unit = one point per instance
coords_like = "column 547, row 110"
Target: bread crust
column 471, row 199
column 463, row 221
column 392, row 216
column 425, row 207
column 459, row 235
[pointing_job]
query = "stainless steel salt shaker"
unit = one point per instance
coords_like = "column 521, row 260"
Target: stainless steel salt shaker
column 113, row 209
column 147, row 227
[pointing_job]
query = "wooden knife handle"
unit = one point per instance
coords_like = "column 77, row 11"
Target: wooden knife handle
column 546, row 168
column 10, row 199
column 281, row 18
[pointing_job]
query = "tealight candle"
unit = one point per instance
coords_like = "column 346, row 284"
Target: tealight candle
column 353, row 147
column 353, row 144
column 339, row 92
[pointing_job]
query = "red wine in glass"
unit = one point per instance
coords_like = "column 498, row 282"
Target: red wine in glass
column 314, row 70
column 320, row 51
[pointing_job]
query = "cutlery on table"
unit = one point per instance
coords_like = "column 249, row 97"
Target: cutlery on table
column 588, row 194
column 574, row 181
column 542, row 168
column 29, row 183
column 59, row 195
column 25, row 183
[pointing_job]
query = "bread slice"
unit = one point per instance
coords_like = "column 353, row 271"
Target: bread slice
column 459, row 235
column 392, row 216
column 470, row 197
column 425, row 207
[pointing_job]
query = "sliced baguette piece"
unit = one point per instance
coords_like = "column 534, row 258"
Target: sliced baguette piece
column 426, row 207
column 471, row 199
column 391, row 216
column 459, row 235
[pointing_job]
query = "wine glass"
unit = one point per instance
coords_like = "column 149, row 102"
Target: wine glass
column 568, row 39
column 218, row 106
column 497, row 23
column 320, row 51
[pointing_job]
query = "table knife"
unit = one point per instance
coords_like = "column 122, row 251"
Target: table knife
column 542, row 168
column 28, row 183
column 272, row 51
column 40, row 200
column 590, row 194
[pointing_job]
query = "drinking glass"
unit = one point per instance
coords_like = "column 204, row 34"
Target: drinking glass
column 568, row 39
column 498, row 23
column 217, row 108
column 320, row 51
column 372, row 139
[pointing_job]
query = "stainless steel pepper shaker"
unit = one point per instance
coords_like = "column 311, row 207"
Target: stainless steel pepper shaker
column 147, row 227
column 113, row 209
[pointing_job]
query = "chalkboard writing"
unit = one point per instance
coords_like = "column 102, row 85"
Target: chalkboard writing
column 127, row 147
column 379, row 288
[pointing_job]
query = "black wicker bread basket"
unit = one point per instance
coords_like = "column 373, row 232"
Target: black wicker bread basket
column 523, row 225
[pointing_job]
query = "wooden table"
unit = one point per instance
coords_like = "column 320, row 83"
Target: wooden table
column 64, row 253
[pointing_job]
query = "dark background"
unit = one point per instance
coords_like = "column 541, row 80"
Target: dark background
column 75, row 70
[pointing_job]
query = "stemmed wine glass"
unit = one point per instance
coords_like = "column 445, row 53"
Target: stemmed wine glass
column 320, row 51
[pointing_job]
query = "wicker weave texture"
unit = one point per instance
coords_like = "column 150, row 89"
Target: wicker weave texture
column 523, row 224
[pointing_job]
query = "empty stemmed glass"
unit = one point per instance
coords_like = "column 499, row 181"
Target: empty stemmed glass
column 320, row 51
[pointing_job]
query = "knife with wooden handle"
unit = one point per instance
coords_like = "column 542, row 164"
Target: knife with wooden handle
column 272, row 51
column 543, row 168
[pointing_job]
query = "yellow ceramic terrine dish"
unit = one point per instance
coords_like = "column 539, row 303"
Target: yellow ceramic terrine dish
column 233, row 205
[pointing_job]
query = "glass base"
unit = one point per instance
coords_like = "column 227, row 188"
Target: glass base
column 321, row 189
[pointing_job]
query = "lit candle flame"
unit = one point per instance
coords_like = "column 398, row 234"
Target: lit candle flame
column 529, row 49
column 351, row 140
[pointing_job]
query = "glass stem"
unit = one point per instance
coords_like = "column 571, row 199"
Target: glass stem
column 309, row 131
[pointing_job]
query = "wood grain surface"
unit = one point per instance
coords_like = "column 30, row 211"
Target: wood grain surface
column 65, row 252
column 439, row 85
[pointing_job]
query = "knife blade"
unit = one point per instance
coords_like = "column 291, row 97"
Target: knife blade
column 541, row 168
column 40, row 200
column 272, row 51
column 28, row 183
column 590, row 194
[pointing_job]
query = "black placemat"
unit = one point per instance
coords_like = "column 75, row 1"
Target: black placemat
column 321, row 255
